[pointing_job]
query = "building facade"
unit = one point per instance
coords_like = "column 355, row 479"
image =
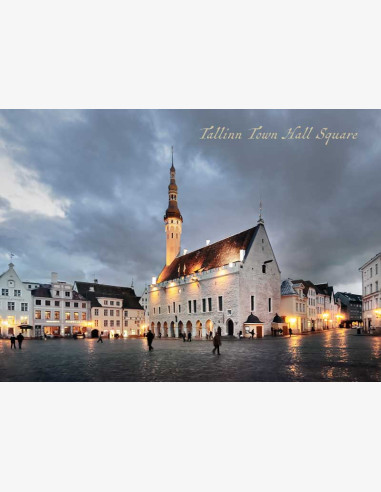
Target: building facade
column 371, row 298
column 115, row 311
column 16, row 307
column 59, row 311
column 218, row 285
column 351, row 308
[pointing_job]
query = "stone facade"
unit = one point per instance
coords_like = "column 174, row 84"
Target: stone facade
column 217, row 286
column 371, row 298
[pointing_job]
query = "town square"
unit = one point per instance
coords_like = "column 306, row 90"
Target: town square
column 268, row 306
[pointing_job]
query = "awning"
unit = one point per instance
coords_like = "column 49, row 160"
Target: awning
column 25, row 327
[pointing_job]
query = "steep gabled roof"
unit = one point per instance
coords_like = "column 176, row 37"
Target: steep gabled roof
column 324, row 289
column 127, row 294
column 213, row 256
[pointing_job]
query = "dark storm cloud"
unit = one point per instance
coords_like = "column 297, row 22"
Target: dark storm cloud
column 110, row 169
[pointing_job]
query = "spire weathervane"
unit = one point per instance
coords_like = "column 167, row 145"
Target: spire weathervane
column 172, row 155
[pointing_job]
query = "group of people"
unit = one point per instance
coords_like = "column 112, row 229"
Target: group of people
column 19, row 338
column 216, row 339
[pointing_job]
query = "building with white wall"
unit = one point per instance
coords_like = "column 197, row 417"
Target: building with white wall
column 16, row 308
column 218, row 285
column 115, row 310
column 59, row 310
column 371, row 298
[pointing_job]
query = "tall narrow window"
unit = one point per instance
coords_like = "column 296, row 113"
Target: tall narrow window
column 189, row 306
column 252, row 303
column 220, row 305
column 209, row 303
column 195, row 306
column 270, row 307
column 263, row 268
column 204, row 305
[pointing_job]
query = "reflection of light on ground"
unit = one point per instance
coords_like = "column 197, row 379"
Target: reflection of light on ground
column 376, row 347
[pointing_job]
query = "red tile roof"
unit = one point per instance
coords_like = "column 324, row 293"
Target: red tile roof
column 213, row 256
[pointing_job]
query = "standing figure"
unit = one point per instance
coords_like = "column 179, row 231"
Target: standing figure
column 150, row 337
column 100, row 337
column 217, row 343
column 211, row 334
column 252, row 333
column 184, row 336
column 13, row 342
column 189, row 336
column 20, row 338
column 290, row 332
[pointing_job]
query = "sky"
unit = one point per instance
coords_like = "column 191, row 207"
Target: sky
column 83, row 192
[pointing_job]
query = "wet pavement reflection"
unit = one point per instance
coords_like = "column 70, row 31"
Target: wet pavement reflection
column 337, row 355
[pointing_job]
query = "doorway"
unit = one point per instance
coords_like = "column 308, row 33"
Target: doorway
column 230, row 326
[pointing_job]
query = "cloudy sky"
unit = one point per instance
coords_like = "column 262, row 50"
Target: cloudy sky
column 83, row 193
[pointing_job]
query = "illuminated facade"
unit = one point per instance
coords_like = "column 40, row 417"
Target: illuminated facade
column 16, row 309
column 59, row 310
column 371, row 296
column 115, row 310
column 218, row 285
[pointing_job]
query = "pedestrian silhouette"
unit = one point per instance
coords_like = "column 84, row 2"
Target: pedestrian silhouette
column 217, row 343
column 189, row 336
column 20, row 338
column 100, row 337
column 150, row 337
column 210, row 334
column 290, row 331
column 13, row 342
column 184, row 337
column 252, row 333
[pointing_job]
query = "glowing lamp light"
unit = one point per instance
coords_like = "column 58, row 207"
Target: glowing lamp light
column 292, row 321
column 377, row 312
column 230, row 265
column 154, row 280
column 325, row 315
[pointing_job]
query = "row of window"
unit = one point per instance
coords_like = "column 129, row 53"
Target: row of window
column 12, row 306
column 369, row 305
column 207, row 305
column 110, row 323
column 105, row 303
column 58, row 303
column 16, row 292
column 371, row 271
column 369, row 288
column 110, row 312
column 57, row 315
column 67, row 294
column 300, row 307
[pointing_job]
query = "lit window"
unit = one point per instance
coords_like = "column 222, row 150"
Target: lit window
column 67, row 316
column 76, row 316
column 83, row 316
column 56, row 315
column 47, row 315
column 38, row 314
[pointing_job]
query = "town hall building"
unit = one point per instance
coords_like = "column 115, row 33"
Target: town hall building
column 233, row 284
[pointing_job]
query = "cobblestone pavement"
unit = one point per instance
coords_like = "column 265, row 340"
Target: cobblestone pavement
column 337, row 355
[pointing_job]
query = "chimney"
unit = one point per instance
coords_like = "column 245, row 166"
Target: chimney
column 54, row 277
column 95, row 281
column 207, row 242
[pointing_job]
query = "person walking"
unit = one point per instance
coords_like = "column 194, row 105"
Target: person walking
column 217, row 343
column 150, row 337
column 100, row 337
column 290, row 332
column 189, row 336
column 252, row 333
column 20, row 339
column 13, row 342
column 184, row 337
column 210, row 334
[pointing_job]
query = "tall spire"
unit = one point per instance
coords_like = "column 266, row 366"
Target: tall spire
column 260, row 220
column 172, row 218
